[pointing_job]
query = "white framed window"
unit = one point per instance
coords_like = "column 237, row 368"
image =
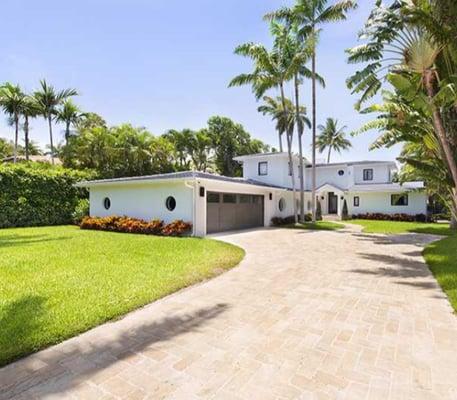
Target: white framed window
column 282, row 204
column 399, row 200
column 368, row 174
column 356, row 201
column 263, row 168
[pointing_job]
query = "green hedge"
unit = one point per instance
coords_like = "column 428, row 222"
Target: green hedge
column 38, row 194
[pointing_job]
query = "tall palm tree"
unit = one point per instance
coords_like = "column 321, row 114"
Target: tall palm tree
column 309, row 15
column 69, row 114
column 12, row 100
column 48, row 100
column 274, row 108
column 30, row 109
column 272, row 70
column 332, row 137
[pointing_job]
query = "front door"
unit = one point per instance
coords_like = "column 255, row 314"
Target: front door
column 332, row 203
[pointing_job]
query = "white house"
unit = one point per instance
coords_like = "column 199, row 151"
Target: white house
column 215, row 203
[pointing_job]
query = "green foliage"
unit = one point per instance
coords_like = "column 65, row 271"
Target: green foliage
column 81, row 210
column 332, row 137
column 6, row 148
column 318, row 211
column 345, row 212
column 38, row 194
column 57, row 282
column 394, row 227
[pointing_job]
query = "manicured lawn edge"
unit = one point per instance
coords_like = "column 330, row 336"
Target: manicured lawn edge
column 58, row 282
column 318, row 226
column 395, row 227
column 441, row 257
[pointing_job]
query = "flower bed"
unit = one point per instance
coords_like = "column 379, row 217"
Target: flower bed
column 393, row 217
column 134, row 225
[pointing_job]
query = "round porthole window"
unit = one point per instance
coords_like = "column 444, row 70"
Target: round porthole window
column 106, row 203
column 282, row 204
column 340, row 172
column 170, row 203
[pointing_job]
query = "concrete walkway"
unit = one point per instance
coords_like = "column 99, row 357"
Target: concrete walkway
column 307, row 315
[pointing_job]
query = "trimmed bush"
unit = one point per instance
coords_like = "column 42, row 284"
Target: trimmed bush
column 81, row 211
column 278, row 221
column 134, row 225
column 345, row 212
column 318, row 211
column 35, row 194
column 393, row 217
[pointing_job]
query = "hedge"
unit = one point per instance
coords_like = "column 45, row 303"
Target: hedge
column 38, row 194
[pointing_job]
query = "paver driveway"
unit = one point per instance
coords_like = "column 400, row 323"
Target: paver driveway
column 307, row 315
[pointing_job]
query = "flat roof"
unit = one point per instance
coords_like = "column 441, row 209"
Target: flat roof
column 349, row 163
column 178, row 175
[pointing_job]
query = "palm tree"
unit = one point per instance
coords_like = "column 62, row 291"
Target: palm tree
column 309, row 15
column 48, row 100
column 274, row 108
column 272, row 70
column 69, row 114
column 332, row 137
column 12, row 101
column 30, row 109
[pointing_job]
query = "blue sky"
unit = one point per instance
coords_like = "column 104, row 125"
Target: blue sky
column 165, row 63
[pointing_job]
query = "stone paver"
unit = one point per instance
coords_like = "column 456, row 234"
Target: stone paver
column 307, row 315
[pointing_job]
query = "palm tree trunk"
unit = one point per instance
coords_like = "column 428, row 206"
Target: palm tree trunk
column 67, row 131
column 289, row 151
column 26, row 134
column 16, row 137
column 280, row 142
column 429, row 80
column 329, row 152
column 50, row 139
column 300, row 149
column 313, row 84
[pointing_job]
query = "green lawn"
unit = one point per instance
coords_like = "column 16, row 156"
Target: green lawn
column 318, row 226
column 441, row 257
column 392, row 227
column 56, row 282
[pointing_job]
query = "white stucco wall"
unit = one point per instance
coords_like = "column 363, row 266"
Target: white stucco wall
column 145, row 201
column 381, row 203
column 329, row 175
column 381, row 173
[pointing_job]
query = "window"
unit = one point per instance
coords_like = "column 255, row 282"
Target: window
column 212, row 197
column 399, row 200
column 170, row 203
column 368, row 174
column 282, row 204
column 340, row 172
column 245, row 199
column 229, row 198
column 356, row 201
column 107, row 203
column 263, row 168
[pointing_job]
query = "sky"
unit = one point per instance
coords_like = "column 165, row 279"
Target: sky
column 166, row 64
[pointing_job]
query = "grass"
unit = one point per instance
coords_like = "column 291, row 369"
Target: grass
column 393, row 227
column 441, row 257
column 56, row 282
column 318, row 226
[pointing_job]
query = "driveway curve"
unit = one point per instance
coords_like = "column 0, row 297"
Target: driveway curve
column 306, row 315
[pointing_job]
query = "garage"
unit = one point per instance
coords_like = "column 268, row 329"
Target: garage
column 232, row 211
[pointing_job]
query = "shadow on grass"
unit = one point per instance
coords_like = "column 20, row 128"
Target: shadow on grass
column 22, row 240
column 65, row 370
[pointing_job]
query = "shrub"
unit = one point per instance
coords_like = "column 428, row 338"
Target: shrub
column 81, row 211
column 278, row 221
column 34, row 194
column 393, row 217
column 318, row 211
column 134, row 225
column 345, row 212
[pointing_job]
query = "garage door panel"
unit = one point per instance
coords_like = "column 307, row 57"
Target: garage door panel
column 228, row 211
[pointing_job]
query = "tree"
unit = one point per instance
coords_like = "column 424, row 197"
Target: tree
column 332, row 138
column 308, row 16
column 6, row 148
column 68, row 114
column 30, row 109
column 48, row 100
column 413, row 46
column 12, row 100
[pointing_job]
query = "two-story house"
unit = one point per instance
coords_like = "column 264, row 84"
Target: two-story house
column 215, row 203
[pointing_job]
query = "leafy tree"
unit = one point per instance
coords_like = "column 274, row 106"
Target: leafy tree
column 89, row 120
column 413, row 46
column 308, row 16
column 6, row 148
column 48, row 99
column 332, row 137
column 68, row 114
column 12, row 100
column 30, row 109
column 200, row 150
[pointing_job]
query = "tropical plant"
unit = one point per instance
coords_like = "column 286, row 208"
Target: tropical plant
column 412, row 45
column 12, row 100
column 48, row 99
column 6, row 148
column 30, row 109
column 332, row 137
column 307, row 16
column 68, row 114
